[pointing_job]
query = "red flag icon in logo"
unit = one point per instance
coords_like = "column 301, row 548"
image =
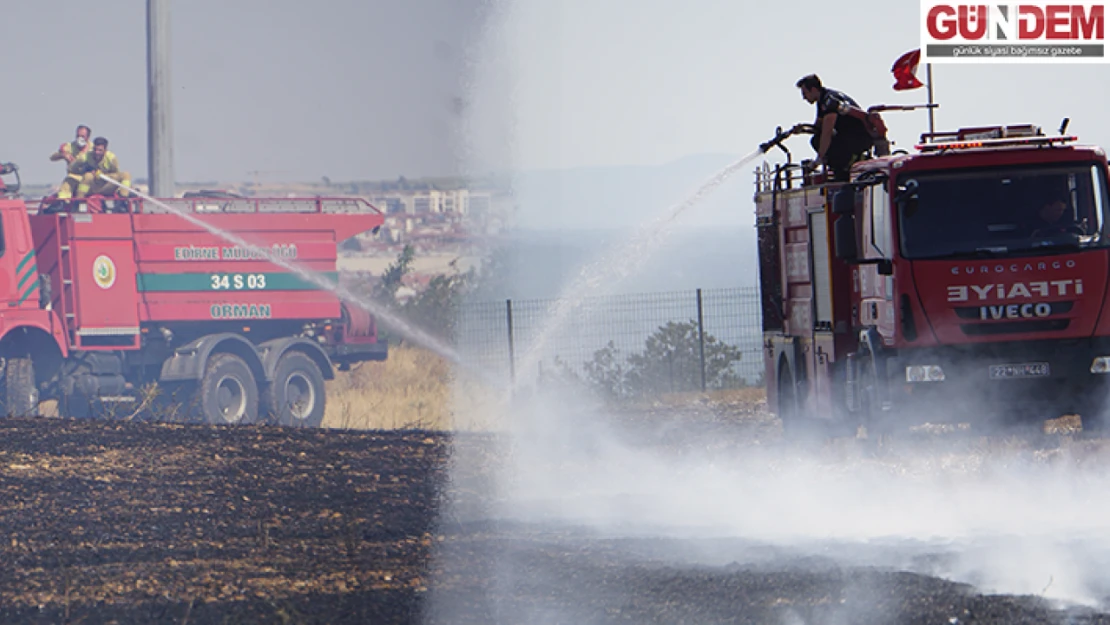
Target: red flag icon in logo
column 905, row 70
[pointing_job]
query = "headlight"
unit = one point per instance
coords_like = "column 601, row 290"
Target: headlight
column 924, row 373
column 1100, row 364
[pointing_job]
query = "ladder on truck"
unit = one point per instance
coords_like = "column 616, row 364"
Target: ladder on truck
column 78, row 336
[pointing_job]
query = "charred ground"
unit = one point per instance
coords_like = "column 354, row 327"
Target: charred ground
column 129, row 522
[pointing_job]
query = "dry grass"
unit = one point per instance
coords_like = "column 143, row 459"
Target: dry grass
column 410, row 389
column 413, row 388
column 750, row 395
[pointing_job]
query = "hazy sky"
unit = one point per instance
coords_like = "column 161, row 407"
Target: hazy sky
column 572, row 83
column 649, row 81
column 343, row 88
column 353, row 89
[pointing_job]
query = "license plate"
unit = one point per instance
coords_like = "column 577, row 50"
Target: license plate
column 1025, row 370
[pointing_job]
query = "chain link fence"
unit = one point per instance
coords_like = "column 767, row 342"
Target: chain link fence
column 623, row 345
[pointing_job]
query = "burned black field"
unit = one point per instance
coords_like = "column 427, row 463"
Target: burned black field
column 129, row 522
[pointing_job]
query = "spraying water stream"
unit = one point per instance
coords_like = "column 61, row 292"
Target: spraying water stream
column 620, row 261
column 408, row 330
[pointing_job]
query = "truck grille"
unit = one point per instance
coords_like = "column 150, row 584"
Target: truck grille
column 972, row 312
column 1053, row 323
column 1015, row 327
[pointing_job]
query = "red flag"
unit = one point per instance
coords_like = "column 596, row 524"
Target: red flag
column 905, row 70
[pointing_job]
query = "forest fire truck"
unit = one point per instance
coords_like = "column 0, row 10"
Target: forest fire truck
column 102, row 303
column 965, row 281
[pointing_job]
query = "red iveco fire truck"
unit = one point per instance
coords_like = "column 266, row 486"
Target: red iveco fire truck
column 964, row 281
column 102, row 302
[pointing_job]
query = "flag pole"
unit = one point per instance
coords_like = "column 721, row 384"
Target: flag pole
column 929, row 80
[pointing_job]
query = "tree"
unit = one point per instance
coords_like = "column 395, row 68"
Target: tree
column 436, row 307
column 606, row 373
column 393, row 276
column 670, row 362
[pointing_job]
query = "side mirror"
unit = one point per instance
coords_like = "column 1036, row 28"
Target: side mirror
column 844, row 236
column 907, row 191
column 844, row 202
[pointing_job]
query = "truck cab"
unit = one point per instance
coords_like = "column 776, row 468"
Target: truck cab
column 963, row 281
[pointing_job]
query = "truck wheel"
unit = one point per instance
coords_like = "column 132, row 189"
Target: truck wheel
column 228, row 392
column 21, row 396
column 297, row 395
column 801, row 428
column 789, row 413
column 796, row 427
column 881, row 426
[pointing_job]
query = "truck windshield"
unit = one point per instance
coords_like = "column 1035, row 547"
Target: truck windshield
column 1001, row 211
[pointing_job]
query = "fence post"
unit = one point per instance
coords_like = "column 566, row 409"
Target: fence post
column 512, row 358
column 701, row 340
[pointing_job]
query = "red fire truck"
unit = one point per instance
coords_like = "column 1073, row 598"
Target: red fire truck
column 963, row 281
column 104, row 302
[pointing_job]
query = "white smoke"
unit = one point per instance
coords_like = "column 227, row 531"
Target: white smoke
column 998, row 513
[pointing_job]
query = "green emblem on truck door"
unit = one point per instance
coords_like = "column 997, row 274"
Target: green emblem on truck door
column 104, row 272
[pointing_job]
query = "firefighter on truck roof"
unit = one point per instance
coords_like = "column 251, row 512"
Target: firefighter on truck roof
column 70, row 152
column 841, row 137
column 104, row 162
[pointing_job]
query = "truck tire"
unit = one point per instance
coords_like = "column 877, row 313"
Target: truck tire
column 228, row 393
column 787, row 401
column 796, row 426
column 296, row 397
column 21, row 396
column 869, row 416
column 880, row 426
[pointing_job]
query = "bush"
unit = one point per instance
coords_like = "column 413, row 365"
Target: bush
column 670, row 362
column 434, row 309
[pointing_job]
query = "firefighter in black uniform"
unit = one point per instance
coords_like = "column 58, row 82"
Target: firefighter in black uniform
column 840, row 136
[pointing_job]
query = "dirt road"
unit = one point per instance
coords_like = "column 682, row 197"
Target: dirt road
column 108, row 522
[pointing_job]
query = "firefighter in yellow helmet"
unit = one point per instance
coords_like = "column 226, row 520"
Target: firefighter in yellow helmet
column 101, row 161
column 70, row 152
